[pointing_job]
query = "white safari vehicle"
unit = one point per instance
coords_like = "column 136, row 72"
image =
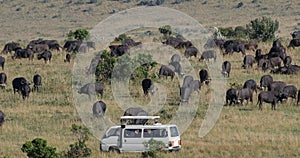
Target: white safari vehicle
column 131, row 138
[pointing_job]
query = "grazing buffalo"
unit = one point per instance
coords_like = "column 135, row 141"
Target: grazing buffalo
column 251, row 84
column 185, row 93
column 204, row 76
column 244, row 94
column 263, row 63
column 213, row 43
column 288, row 91
column 208, row 54
column 148, row 86
column 259, row 55
column 277, row 50
column 68, row 58
column 136, row 112
column 265, row 81
column 287, row 61
column 191, row 51
column 23, row 53
column 37, row 82
column 276, row 87
column 2, row 118
column 175, row 58
column 295, row 34
column 2, row 62
column 93, row 65
column 252, row 45
column 195, row 85
column 166, row 71
column 184, row 44
column 90, row 44
column 177, row 68
column 21, row 85
column 118, row 50
column 187, row 81
column 38, row 48
column 248, row 61
column 226, row 67
column 231, row 46
column 9, row 47
column 3, row 79
column 52, row 44
column 72, row 46
column 99, row 109
column 267, row 97
column 231, row 95
column 294, row 43
column 173, row 41
column 91, row 88
column 46, row 55
column 274, row 61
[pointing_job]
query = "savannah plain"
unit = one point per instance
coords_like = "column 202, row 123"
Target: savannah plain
column 241, row 131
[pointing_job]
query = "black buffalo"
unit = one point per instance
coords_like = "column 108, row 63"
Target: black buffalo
column 9, row 47
column 46, row 55
column 288, row 70
column 251, row 84
column 185, row 93
column 289, row 91
column 265, row 81
column 71, row 46
column 2, row 62
column 277, row 50
column 231, row 96
column 3, row 79
column 136, row 112
column 252, row 45
column 21, row 85
column 294, row 43
column 213, row 43
column 23, row 53
column 68, row 58
column 195, row 85
column 191, row 51
column 277, row 87
column 166, row 71
column 244, row 94
column 187, row 81
column 287, row 61
column 37, row 82
column 295, row 34
column 38, row 48
column 204, row 76
column 175, row 58
column 91, row 88
column 208, row 54
column 99, row 109
column 184, row 44
column 226, row 68
column 248, row 61
column 231, row 46
column 176, row 67
column 118, row 50
column 274, row 62
column 298, row 97
column 148, row 86
column 267, row 97
column 173, row 41
column 2, row 118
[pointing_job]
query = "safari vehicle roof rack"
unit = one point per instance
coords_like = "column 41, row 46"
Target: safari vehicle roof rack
column 126, row 119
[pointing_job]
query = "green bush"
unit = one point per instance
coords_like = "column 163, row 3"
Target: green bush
column 165, row 30
column 153, row 146
column 79, row 34
column 38, row 148
column 104, row 69
column 121, row 38
column 262, row 29
column 78, row 149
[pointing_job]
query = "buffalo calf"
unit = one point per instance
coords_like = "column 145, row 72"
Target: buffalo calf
column 99, row 109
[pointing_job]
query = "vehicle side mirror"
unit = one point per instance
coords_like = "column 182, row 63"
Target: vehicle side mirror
column 122, row 126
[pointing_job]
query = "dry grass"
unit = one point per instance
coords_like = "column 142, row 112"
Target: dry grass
column 241, row 131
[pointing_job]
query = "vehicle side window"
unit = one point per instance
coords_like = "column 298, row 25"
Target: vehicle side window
column 150, row 133
column 132, row 133
column 174, row 132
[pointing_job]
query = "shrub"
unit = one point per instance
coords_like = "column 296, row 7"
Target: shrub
column 262, row 29
column 104, row 69
column 165, row 30
column 121, row 38
column 79, row 34
column 38, row 148
column 78, row 149
column 153, row 146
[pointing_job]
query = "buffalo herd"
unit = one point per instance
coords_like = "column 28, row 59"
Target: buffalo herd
column 272, row 92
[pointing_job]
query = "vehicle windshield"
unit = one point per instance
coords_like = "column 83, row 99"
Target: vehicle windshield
column 174, row 131
column 113, row 132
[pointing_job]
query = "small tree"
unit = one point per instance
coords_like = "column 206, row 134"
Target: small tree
column 79, row 149
column 121, row 38
column 153, row 146
column 38, row 148
column 105, row 68
column 166, row 30
column 262, row 29
column 79, row 34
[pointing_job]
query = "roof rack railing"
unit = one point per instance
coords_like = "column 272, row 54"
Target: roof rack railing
column 139, row 117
